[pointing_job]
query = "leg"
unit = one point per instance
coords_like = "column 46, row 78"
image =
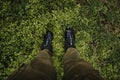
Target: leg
column 40, row 68
column 74, row 67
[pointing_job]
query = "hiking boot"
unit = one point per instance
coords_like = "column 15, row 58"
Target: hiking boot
column 69, row 38
column 47, row 43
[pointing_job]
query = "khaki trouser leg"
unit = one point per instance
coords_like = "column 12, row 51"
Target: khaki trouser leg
column 77, row 69
column 40, row 68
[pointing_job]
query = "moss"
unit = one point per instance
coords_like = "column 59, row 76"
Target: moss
column 96, row 24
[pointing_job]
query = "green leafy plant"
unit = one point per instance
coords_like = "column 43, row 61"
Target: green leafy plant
column 96, row 25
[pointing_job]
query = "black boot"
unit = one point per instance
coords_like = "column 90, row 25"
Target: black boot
column 47, row 43
column 69, row 38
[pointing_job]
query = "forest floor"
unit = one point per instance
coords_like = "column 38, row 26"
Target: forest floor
column 96, row 24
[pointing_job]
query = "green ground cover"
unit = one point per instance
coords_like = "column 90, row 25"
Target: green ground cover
column 96, row 24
